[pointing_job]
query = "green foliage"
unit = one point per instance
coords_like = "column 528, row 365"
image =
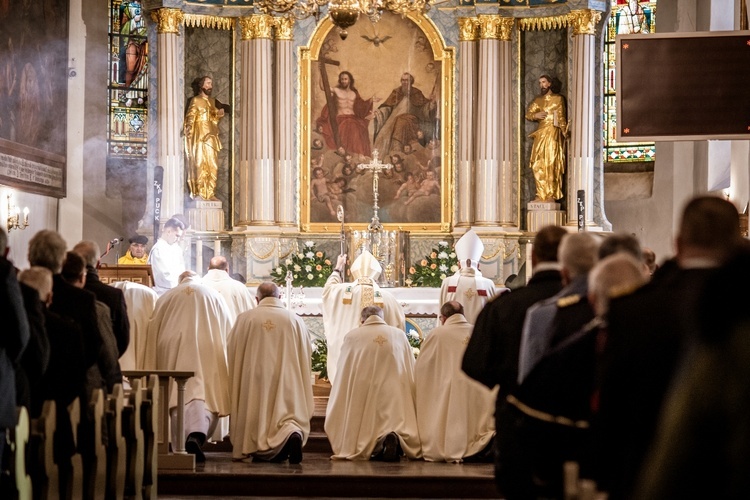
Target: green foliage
column 309, row 267
column 320, row 358
column 433, row 268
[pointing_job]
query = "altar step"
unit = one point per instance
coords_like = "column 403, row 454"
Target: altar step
column 319, row 476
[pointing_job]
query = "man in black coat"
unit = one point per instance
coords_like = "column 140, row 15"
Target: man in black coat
column 113, row 297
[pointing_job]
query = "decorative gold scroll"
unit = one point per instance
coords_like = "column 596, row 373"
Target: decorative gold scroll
column 167, row 20
column 284, row 27
column 468, row 29
column 256, row 26
column 543, row 23
column 495, row 27
column 213, row 22
column 584, row 21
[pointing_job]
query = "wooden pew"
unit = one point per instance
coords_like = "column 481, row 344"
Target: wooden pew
column 150, row 422
column 116, row 446
column 44, row 472
column 133, row 433
column 19, row 439
column 75, row 479
column 95, row 473
column 575, row 488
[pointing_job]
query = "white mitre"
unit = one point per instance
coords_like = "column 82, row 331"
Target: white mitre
column 469, row 247
column 366, row 266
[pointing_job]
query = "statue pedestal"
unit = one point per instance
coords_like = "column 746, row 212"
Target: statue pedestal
column 206, row 216
column 544, row 213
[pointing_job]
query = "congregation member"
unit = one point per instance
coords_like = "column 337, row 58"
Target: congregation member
column 371, row 412
column 111, row 296
column 648, row 331
column 166, row 257
column 547, row 419
column 491, row 356
column 140, row 301
column 237, row 295
column 136, row 254
column 190, row 325
column 455, row 414
column 549, row 321
column 342, row 303
column 467, row 285
column 12, row 342
column 270, row 390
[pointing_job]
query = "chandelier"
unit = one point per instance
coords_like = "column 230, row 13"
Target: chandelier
column 343, row 13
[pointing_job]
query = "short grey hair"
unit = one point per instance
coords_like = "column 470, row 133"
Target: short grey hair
column 372, row 311
column 47, row 249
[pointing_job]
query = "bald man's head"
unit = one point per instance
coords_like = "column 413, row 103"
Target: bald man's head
column 219, row 262
column 267, row 289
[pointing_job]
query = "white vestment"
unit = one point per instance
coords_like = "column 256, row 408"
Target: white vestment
column 190, row 324
column 167, row 264
column 374, row 393
column 470, row 288
column 455, row 414
column 238, row 296
column 140, row 301
column 342, row 305
column 270, row 378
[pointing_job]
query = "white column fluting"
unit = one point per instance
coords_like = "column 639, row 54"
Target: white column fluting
column 284, row 125
column 468, row 36
column 581, row 115
column 169, row 111
column 256, row 162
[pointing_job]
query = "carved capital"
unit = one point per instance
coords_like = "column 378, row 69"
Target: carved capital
column 256, row 26
column 584, row 21
column 468, row 29
column 284, row 27
column 167, row 20
column 495, row 27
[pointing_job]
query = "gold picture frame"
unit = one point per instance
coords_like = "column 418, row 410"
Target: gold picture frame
column 418, row 138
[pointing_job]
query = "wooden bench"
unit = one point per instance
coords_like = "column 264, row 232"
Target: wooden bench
column 132, row 430
column 116, row 446
column 43, row 469
column 18, row 440
column 95, row 472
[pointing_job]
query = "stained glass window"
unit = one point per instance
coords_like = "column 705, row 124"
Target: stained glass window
column 628, row 16
column 128, row 80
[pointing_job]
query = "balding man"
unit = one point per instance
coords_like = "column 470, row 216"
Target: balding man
column 110, row 296
column 455, row 413
column 190, row 324
column 371, row 410
column 342, row 303
column 238, row 297
column 271, row 393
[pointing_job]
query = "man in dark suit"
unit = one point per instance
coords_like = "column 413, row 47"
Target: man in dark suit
column 112, row 297
column 648, row 331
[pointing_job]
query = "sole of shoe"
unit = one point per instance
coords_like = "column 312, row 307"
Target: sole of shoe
column 295, row 448
column 390, row 448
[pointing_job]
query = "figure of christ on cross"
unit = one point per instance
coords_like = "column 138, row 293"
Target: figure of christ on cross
column 376, row 166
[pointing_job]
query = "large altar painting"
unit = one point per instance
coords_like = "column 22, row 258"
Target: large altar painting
column 383, row 95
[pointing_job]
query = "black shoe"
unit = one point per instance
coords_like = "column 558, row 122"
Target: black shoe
column 295, row 448
column 192, row 446
column 391, row 448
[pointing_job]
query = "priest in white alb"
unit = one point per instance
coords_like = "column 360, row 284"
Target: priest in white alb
column 238, row 296
column 371, row 412
column 140, row 301
column 270, row 381
column 455, row 413
column 467, row 285
column 342, row 303
column 190, row 324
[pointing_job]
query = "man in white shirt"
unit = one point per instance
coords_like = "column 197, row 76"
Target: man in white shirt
column 190, row 325
column 455, row 413
column 238, row 296
column 342, row 303
column 371, row 412
column 270, row 373
column 467, row 285
column 166, row 257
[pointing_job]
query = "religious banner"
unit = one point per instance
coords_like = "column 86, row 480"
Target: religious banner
column 381, row 96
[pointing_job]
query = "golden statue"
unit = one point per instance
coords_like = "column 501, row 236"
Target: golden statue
column 548, row 154
column 202, row 143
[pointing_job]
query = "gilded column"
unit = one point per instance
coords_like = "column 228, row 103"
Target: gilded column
column 257, row 177
column 493, row 177
column 169, row 111
column 581, row 115
column 468, row 33
column 284, row 126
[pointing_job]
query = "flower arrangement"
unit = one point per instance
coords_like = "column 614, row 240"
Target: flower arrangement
column 320, row 358
column 309, row 267
column 433, row 268
column 414, row 341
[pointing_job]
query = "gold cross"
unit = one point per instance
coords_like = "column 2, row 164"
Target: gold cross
column 380, row 340
column 188, row 291
column 268, row 325
column 470, row 293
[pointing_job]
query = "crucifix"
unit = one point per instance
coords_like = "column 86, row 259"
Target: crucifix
column 376, row 166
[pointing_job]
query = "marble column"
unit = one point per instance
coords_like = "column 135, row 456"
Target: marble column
column 257, row 186
column 284, row 124
column 494, row 132
column 581, row 115
column 169, row 111
column 468, row 32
